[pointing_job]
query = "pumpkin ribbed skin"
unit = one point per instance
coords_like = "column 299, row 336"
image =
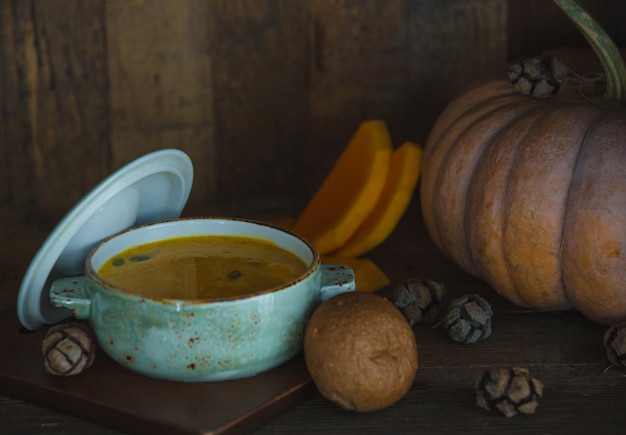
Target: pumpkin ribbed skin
column 530, row 196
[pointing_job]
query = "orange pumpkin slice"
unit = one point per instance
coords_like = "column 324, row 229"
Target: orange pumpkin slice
column 350, row 191
column 368, row 276
column 404, row 171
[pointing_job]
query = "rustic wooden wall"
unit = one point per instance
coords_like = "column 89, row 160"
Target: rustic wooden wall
column 263, row 94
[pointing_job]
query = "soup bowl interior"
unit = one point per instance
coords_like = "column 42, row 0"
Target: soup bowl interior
column 200, row 227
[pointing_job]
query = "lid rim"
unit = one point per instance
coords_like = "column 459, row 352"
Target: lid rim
column 33, row 306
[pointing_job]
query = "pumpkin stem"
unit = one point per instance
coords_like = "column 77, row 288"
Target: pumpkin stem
column 604, row 47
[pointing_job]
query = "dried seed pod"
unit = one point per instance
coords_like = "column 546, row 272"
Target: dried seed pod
column 615, row 344
column 68, row 349
column 510, row 390
column 468, row 319
column 419, row 300
column 539, row 77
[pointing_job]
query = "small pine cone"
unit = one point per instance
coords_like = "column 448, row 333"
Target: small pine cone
column 419, row 300
column 615, row 344
column 468, row 319
column 539, row 77
column 510, row 390
column 68, row 349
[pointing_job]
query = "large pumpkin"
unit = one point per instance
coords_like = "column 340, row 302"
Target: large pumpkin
column 530, row 194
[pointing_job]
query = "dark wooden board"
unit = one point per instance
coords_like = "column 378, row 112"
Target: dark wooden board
column 116, row 397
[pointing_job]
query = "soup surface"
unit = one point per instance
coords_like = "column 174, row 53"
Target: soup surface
column 202, row 267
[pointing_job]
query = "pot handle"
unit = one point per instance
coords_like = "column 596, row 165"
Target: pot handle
column 70, row 293
column 336, row 279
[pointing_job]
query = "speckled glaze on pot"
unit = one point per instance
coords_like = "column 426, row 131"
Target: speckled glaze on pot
column 198, row 340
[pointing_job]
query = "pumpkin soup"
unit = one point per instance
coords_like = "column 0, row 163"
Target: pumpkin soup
column 202, row 267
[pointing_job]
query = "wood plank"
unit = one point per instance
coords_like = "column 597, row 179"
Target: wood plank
column 260, row 82
column 536, row 25
column 161, row 94
column 6, row 50
column 262, row 94
column 400, row 61
column 54, row 100
column 19, row 417
column 453, row 43
column 358, row 71
column 577, row 399
column 19, row 72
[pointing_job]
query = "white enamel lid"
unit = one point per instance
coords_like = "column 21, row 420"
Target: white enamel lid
column 152, row 188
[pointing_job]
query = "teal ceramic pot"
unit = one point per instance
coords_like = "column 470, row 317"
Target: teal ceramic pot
column 201, row 340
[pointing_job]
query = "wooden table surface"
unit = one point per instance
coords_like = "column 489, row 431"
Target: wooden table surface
column 562, row 349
